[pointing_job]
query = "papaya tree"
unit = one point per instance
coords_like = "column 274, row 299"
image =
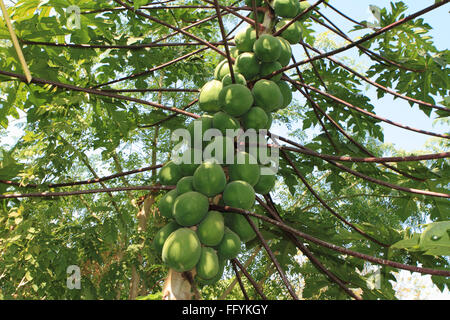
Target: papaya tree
column 148, row 163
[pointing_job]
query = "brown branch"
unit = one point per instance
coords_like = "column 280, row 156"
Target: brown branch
column 78, row 192
column 362, row 40
column 76, row 183
column 273, row 258
column 190, row 35
column 345, row 16
column 246, row 265
column 97, row 92
column 169, row 117
column 297, row 17
column 334, row 247
column 250, row 278
column 367, row 113
column 162, row 8
column 234, row 13
column 366, row 79
column 197, row 23
column 316, row 108
column 273, row 211
column 350, row 197
column 147, row 72
column 319, row 198
column 304, row 150
column 380, row 182
column 224, row 39
column 238, row 277
column 370, row 53
column 308, row 97
column 154, row 90
column 255, row 15
column 117, row 46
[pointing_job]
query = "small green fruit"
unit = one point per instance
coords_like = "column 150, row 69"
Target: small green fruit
column 209, row 179
column 190, row 208
column 256, row 118
column 286, row 8
column 293, row 33
column 170, row 173
column 182, row 250
column 245, row 39
column 239, row 194
column 230, row 246
column 248, row 65
column 162, row 235
column 267, row 95
column 185, row 185
column 267, row 48
column 238, row 78
column 236, row 99
column 286, row 92
column 208, row 100
column 208, row 264
column 211, row 230
column 268, row 68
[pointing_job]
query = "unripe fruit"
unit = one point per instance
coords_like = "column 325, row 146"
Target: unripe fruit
column 239, row 194
column 265, row 184
column 267, row 48
column 286, row 8
column 211, row 230
column 230, row 246
column 165, row 205
column 190, row 208
column 162, row 235
column 267, row 95
column 245, row 168
column 209, row 179
column 170, row 173
column 286, row 52
column 181, row 250
column 208, row 264
column 245, row 39
column 286, row 92
column 236, row 99
column 267, row 68
column 185, row 185
column 248, row 65
column 208, row 100
column 293, row 33
column 256, row 118
column 238, row 78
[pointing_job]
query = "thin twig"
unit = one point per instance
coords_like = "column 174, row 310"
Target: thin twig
column 238, row 277
column 334, row 247
column 78, row 192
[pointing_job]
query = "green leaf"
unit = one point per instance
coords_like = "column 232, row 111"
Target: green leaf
column 139, row 3
column 435, row 239
column 408, row 243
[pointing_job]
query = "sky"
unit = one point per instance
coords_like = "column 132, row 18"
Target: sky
column 397, row 110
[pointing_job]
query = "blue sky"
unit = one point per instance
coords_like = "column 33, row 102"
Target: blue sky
column 397, row 110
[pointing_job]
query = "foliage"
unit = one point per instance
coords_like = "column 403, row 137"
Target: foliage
column 71, row 135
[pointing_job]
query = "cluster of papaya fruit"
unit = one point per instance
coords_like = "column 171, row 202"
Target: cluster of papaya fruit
column 197, row 237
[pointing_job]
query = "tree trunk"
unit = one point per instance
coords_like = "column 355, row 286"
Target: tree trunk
column 180, row 286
